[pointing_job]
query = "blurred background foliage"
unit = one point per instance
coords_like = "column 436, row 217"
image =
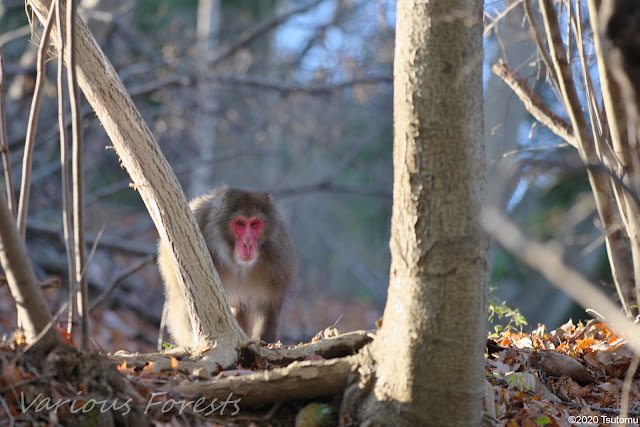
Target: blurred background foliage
column 292, row 97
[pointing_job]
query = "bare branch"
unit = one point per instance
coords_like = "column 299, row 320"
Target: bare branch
column 586, row 147
column 537, row 37
column 6, row 161
column 27, row 157
column 313, row 89
column 10, row 36
column 77, row 176
column 533, row 104
column 64, row 172
column 329, row 186
column 547, row 260
column 261, row 29
column 110, row 243
column 115, row 282
column 500, row 16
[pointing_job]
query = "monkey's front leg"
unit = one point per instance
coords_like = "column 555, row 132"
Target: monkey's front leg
column 266, row 321
column 242, row 316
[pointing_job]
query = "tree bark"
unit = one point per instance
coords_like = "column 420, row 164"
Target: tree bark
column 429, row 350
column 23, row 284
column 159, row 188
column 206, row 125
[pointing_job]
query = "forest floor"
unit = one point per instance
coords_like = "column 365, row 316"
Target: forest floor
column 574, row 375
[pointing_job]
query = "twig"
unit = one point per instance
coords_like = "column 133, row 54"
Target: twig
column 531, row 149
column 261, row 29
column 533, row 104
column 106, row 243
column 329, row 186
column 610, row 93
column 6, row 162
column 12, row 35
column 313, row 89
column 64, row 173
column 592, row 103
column 626, row 386
column 114, row 283
column 40, row 335
column 77, row 176
column 537, row 37
column 27, row 157
column 7, row 411
column 498, row 18
column 565, row 78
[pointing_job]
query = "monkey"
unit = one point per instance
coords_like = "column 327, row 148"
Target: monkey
column 254, row 255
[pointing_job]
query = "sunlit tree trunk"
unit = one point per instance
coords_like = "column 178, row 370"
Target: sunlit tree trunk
column 429, row 350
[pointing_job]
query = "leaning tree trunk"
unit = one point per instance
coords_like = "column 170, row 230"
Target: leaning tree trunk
column 159, row 188
column 23, row 284
column 429, row 350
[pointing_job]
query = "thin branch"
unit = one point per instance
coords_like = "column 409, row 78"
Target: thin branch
column 627, row 208
column 500, row 16
column 537, row 37
column 27, row 157
column 64, row 172
column 533, row 104
column 625, row 393
column 328, row 186
column 6, row 161
column 115, row 282
column 547, row 259
column 586, row 147
column 77, row 176
column 12, row 35
column 284, row 88
column 592, row 103
column 268, row 25
column 109, row 243
column 531, row 149
column 611, row 97
column 312, row 89
column 565, row 79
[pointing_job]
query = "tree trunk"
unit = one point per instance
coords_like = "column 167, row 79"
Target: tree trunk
column 32, row 308
column 159, row 188
column 429, row 350
column 206, row 126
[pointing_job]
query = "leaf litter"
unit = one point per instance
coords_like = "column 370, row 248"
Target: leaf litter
column 572, row 375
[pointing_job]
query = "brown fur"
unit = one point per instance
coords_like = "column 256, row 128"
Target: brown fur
column 256, row 292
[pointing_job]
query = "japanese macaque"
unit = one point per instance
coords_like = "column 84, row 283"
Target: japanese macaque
column 254, row 255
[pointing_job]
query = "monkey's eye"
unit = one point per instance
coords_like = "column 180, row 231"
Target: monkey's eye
column 240, row 223
column 255, row 224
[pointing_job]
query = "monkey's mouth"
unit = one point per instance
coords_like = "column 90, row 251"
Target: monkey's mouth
column 246, row 257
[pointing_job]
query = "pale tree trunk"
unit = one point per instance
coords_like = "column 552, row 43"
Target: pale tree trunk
column 429, row 350
column 206, row 125
column 155, row 181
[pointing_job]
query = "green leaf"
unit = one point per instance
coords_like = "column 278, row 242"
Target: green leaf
column 543, row 421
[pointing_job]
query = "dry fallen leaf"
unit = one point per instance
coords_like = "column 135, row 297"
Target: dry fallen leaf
column 558, row 364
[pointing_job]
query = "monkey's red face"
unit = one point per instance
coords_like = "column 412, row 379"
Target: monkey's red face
column 247, row 231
